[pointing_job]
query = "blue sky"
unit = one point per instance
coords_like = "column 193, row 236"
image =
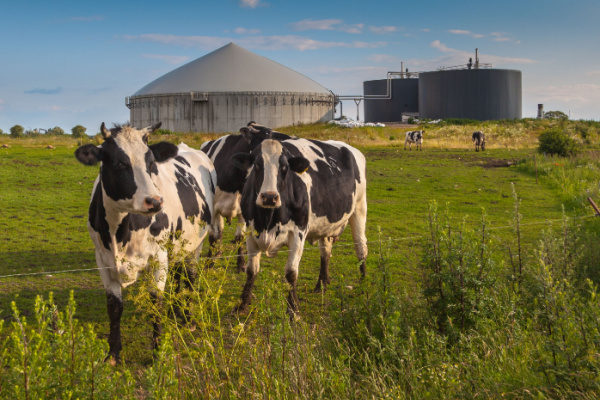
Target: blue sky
column 65, row 63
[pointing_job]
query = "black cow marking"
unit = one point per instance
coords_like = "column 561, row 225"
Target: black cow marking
column 97, row 216
column 161, row 222
column 183, row 161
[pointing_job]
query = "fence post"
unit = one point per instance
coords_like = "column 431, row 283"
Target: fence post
column 594, row 206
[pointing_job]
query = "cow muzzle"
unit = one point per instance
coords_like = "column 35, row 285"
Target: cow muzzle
column 153, row 204
column 269, row 199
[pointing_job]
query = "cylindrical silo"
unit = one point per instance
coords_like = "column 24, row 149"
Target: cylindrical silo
column 481, row 94
column 224, row 90
column 403, row 99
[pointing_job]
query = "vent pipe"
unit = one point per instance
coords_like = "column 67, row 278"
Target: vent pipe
column 476, row 58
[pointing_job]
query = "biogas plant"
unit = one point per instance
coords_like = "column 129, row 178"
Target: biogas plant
column 223, row 90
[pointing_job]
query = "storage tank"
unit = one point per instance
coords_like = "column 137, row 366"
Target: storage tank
column 224, row 90
column 403, row 99
column 480, row 94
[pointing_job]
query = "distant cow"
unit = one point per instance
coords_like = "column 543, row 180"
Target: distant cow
column 479, row 140
column 301, row 190
column 414, row 137
column 148, row 202
column 230, row 181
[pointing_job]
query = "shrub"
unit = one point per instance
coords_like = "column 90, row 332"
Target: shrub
column 556, row 142
column 56, row 131
column 17, row 131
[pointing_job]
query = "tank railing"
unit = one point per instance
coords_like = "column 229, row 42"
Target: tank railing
column 388, row 94
column 466, row 66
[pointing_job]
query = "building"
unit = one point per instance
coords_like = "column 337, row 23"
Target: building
column 224, row 90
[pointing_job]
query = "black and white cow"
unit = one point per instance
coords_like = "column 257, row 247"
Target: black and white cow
column 148, row 202
column 230, row 182
column 301, row 190
column 479, row 140
column 414, row 137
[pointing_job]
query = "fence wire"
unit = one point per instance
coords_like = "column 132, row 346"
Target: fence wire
column 388, row 239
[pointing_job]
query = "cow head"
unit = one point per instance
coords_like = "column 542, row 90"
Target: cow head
column 419, row 138
column 271, row 165
column 127, row 167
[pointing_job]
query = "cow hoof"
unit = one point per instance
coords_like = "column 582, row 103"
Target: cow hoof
column 113, row 359
column 242, row 309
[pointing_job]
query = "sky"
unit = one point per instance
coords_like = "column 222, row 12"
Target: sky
column 67, row 63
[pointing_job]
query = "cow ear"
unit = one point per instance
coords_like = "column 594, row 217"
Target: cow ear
column 247, row 134
column 149, row 131
column 163, row 151
column 242, row 161
column 298, row 164
column 89, row 154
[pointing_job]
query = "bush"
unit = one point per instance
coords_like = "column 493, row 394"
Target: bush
column 78, row 131
column 556, row 142
column 56, row 131
column 17, row 131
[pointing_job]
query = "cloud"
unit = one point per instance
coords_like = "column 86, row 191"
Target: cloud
column 250, row 3
column 244, row 31
column 87, row 19
column 381, row 30
column 169, row 59
column 287, row 42
column 326, row 25
column 467, row 33
column 384, row 58
column 460, row 57
column 44, row 91
column 574, row 96
column 594, row 73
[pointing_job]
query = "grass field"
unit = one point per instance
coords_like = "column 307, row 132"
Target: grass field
column 45, row 247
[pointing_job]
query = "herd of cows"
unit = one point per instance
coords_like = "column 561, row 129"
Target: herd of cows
column 159, row 202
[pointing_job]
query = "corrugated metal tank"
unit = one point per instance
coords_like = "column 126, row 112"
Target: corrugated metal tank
column 224, row 90
column 481, row 94
column 404, row 99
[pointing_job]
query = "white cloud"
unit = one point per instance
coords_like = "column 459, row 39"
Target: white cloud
column 594, row 73
column 384, row 58
column 169, row 59
column 381, row 30
column 249, row 3
column 244, row 31
column 467, row 33
column 326, row 25
column 286, row 42
column 459, row 57
column 321, row 25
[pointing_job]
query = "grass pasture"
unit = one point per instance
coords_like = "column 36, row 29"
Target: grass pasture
column 336, row 349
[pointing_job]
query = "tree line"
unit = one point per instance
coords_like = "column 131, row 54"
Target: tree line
column 17, row 131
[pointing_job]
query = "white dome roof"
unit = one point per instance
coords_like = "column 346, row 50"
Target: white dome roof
column 232, row 69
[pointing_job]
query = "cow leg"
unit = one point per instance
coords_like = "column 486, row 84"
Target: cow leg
column 114, row 306
column 156, row 294
column 251, row 273
column 291, row 272
column 325, row 245
column 239, row 243
column 214, row 239
column 358, row 221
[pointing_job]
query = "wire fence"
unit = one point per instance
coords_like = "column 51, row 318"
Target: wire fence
column 337, row 245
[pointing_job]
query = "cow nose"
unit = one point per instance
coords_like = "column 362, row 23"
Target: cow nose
column 153, row 203
column 269, row 198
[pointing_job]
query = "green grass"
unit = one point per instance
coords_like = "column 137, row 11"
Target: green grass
column 44, row 195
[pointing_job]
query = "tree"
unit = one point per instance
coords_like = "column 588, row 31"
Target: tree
column 17, row 131
column 78, row 131
column 56, row 131
column 555, row 115
column 1, row 132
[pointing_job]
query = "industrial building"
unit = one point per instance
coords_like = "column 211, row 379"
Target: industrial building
column 223, row 90
column 471, row 91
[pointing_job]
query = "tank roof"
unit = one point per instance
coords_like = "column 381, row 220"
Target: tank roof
column 232, row 68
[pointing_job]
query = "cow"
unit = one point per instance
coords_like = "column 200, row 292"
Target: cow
column 479, row 140
column 230, row 182
column 301, row 190
column 148, row 202
column 414, row 137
